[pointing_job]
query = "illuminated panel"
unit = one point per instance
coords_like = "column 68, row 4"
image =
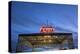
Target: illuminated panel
column 46, row 29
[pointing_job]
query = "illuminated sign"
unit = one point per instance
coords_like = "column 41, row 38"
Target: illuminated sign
column 47, row 29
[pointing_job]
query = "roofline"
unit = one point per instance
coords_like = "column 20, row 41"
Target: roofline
column 37, row 34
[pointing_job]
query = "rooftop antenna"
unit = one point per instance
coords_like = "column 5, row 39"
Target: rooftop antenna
column 47, row 22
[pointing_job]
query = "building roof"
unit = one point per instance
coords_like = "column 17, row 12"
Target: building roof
column 37, row 34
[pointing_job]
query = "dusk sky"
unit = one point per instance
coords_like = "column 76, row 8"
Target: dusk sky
column 28, row 18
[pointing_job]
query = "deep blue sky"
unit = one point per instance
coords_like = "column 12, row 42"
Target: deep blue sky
column 28, row 18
